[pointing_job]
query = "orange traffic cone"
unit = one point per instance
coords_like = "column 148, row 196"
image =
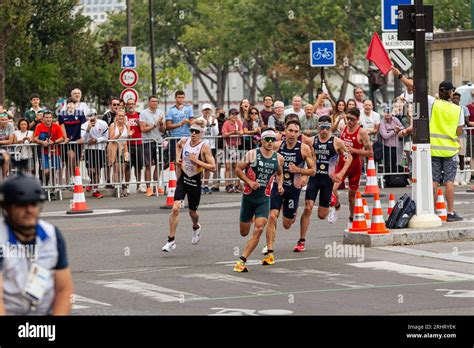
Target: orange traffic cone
column 391, row 204
column 171, row 188
column 359, row 225
column 378, row 223
column 371, row 186
column 79, row 205
column 441, row 210
column 367, row 213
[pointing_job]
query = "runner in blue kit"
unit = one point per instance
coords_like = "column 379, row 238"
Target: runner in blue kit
column 295, row 154
column 258, row 171
column 327, row 149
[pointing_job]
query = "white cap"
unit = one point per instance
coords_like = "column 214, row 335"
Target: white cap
column 206, row 106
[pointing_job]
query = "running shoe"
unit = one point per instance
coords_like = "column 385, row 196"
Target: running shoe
column 229, row 189
column 161, row 192
column 237, row 189
column 269, row 259
column 196, row 235
column 453, row 217
column 265, row 250
column 240, row 267
column 97, row 194
column 299, row 247
column 215, row 189
column 149, row 192
column 88, row 188
column 169, row 246
column 332, row 216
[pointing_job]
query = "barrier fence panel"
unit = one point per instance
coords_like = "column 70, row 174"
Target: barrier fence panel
column 137, row 164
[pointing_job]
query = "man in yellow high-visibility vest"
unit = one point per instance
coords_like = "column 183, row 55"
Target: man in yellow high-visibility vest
column 446, row 124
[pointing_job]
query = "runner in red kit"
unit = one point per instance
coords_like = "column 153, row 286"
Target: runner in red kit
column 359, row 145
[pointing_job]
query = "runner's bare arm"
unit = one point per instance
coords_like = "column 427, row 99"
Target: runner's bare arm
column 241, row 166
column 307, row 140
column 279, row 175
column 2, row 306
column 179, row 149
column 310, row 169
column 367, row 151
column 344, row 152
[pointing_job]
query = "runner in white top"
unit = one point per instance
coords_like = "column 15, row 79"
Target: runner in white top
column 192, row 155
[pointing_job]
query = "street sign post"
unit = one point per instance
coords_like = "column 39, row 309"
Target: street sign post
column 128, row 78
column 128, row 58
column 129, row 93
column 323, row 53
column 390, row 13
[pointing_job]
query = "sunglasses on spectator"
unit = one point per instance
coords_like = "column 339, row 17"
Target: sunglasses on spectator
column 195, row 131
column 116, row 104
column 234, row 113
column 254, row 113
column 269, row 139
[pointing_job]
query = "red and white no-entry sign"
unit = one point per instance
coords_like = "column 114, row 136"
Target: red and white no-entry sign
column 129, row 93
column 128, row 77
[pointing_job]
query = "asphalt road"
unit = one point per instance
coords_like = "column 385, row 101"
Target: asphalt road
column 119, row 268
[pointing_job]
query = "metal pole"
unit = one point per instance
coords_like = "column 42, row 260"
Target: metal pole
column 152, row 47
column 129, row 23
column 422, row 176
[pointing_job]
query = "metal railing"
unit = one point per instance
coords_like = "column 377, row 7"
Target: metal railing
column 124, row 162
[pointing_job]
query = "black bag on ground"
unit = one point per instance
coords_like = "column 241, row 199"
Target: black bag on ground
column 402, row 212
column 396, row 180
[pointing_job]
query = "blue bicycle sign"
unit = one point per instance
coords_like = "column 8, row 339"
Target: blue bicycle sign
column 323, row 53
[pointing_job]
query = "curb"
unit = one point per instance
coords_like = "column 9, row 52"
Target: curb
column 410, row 236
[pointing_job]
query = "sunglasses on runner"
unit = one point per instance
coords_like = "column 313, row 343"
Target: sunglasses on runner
column 269, row 139
column 195, row 131
column 325, row 127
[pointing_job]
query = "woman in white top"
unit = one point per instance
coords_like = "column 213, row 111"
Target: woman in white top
column 119, row 133
column 22, row 158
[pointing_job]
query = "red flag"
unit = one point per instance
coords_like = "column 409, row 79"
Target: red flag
column 377, row 55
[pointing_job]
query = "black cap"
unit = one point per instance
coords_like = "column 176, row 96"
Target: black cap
column 446, row 86
column 21, row 189
column 233, row 111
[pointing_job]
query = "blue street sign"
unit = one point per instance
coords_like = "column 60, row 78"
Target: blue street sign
column 129, row 58
column 323, row 53
column 390, row 13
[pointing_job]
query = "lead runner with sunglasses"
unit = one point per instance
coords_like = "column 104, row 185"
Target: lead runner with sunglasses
column 258, row 170
column 359, row 145
column 326, row 149
column 193, row 155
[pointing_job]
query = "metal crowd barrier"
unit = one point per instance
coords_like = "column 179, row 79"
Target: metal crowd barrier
column 120, row 163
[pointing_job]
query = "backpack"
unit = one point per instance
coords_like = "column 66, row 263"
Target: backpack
column 402, row 212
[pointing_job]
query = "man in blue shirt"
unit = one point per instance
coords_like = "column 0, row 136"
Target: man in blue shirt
column 70, row 121
column 178, row 120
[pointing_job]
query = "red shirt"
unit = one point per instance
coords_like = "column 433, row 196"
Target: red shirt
column 350, row 139
column 470, row 118
column 233, row 140
column 133, row 122
column 54, row 133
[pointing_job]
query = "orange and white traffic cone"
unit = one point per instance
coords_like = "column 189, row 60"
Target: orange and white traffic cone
column 359, row 224
column 79, row 205
column 367, row 213
column 391, row 204
column 171, row 188
column 371, row 186
column 441, row 210
column 378, row 223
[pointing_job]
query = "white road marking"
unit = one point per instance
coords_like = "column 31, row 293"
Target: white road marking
column 258, row 262
column 252, row 312
column 423, row 253
column 78, row 298
column 155, row 292
column 95, row 212
column 458, row 293
column 421, row 272
column 145, row 270
column 226, row 278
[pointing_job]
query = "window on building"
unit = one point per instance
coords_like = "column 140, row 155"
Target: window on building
column 448, row 65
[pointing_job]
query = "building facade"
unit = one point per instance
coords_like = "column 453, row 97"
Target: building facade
column 98, row 10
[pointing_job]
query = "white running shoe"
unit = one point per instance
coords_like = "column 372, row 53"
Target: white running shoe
column 169, row 246
column 332, row 216
column 349, row 225
column 196, row 235
column 265, row 250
